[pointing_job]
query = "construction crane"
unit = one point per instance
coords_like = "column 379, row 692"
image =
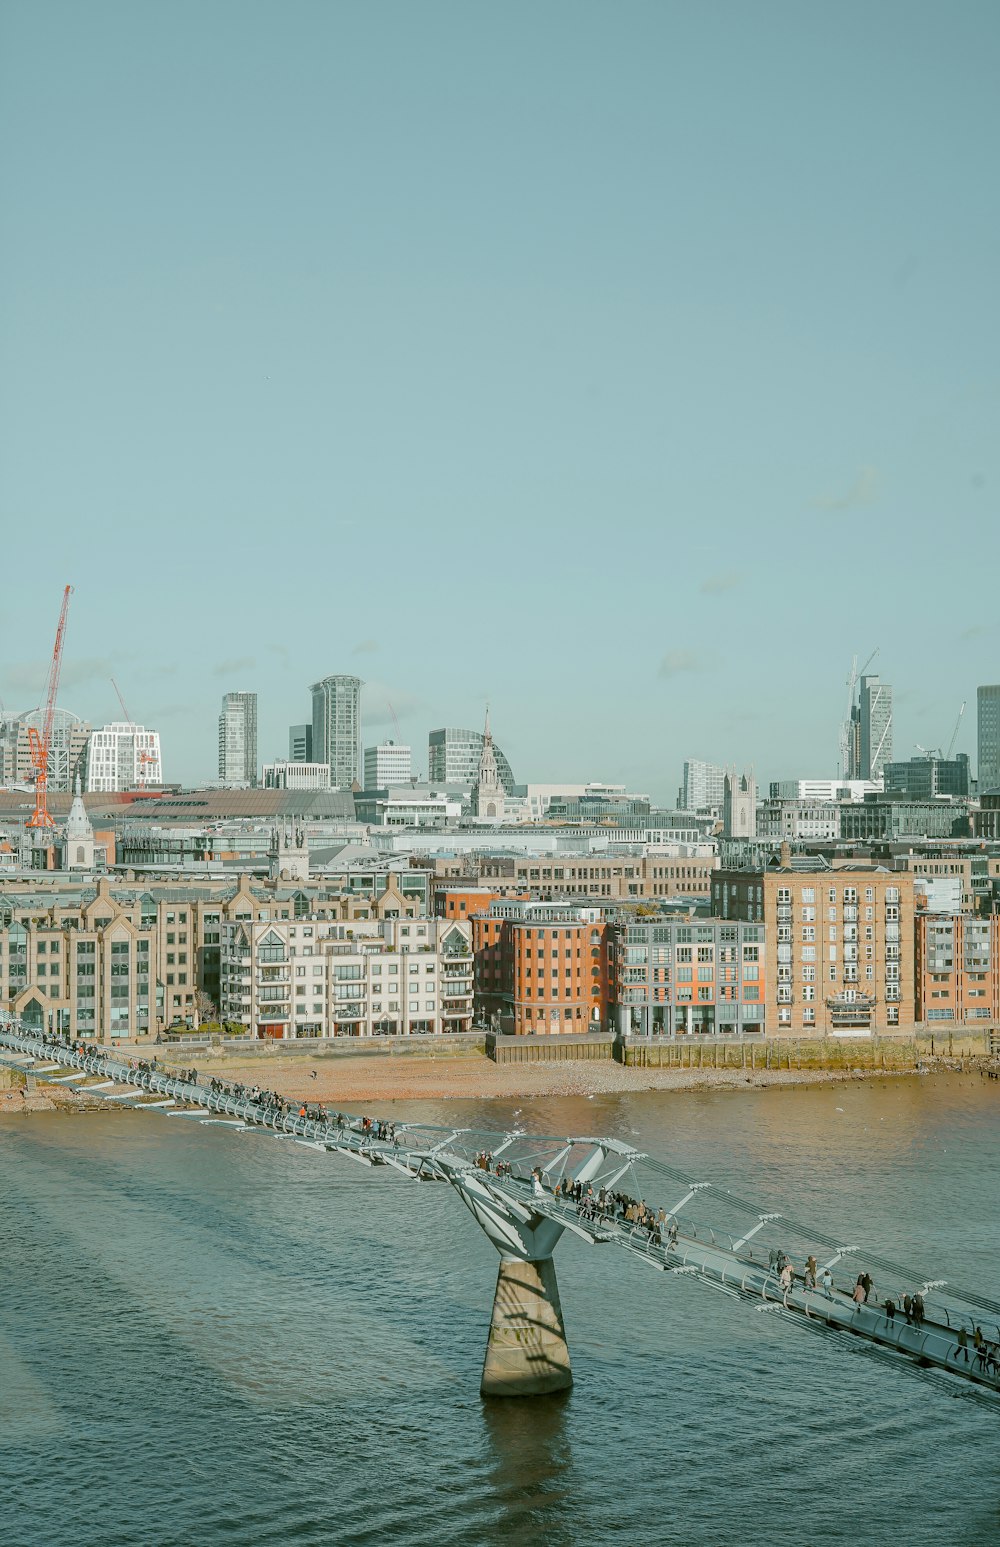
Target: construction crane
column 954, row 734
column 39, row 740
column 142, row 757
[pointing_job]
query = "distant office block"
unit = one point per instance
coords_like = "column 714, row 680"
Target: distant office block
column 875, row 706
column 238, row 739
column 295, row 776
column 336, row 728
column 703, row 787
column 388, row 763
column 453, row 758
column 300, row 743
column 988, row 716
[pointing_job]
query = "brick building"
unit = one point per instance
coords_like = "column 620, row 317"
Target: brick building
column 670, row 976
column 541, row 967
column 839, row 958
column 957, row 968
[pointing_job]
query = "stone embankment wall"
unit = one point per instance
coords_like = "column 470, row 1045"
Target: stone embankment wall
column 802, row 1053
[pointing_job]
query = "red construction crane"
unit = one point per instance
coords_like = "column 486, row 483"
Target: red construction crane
column 38, row 741
column 142, row 757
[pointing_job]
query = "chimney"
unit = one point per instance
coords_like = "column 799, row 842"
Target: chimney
column 785, row 855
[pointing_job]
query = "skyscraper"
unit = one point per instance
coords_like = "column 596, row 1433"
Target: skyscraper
column 238, row 739
column 453, row 758
column 875, row 706
column 300, row 743
column 336, row 728
column 988, row 718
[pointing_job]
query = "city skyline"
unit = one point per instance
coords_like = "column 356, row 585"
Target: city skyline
column 510, row 312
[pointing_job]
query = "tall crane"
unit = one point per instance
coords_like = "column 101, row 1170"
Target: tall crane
column 846, row 732
column 954, row 734
column 39, row 741
column 142, row 757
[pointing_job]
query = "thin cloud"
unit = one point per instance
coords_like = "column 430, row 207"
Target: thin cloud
column 862, row 491
column 716, row 585
column 378, row 701
column 230, row 668
column 679, row 663
column 365, row 647
column 978, row 631
column 31, row 676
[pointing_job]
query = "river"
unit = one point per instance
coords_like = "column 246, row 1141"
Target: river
column 209, row 1339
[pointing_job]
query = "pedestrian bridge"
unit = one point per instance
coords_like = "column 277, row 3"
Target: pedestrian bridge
column 522, row 1189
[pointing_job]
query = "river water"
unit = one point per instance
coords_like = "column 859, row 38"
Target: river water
column 209, row 1338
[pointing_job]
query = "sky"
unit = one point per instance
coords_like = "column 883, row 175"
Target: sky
column 631, row 367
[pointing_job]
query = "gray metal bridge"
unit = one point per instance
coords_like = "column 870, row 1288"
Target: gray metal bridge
column 518, row 1186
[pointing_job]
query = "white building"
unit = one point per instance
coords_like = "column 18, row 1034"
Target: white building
column 388, row 763
column 320, row 978
column 123, row 757
column 295, row 776
column 703, row 788
column 824, row 789
column 795, row 820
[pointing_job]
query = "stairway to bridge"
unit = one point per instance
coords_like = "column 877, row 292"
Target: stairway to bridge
column 522, row 1189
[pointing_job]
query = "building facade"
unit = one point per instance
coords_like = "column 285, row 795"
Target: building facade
column 300, row 743
column 387, row 763
column 682, row 871
column 295, row 775
column 988, row 737
column 840, row 945
column 925, row 778
column 957, row 968
column 122, row 756
column 336, row 728
column 703, row 786
column 541, row 968
column 453, row 759
column 314, row 978
column 875, row 705
column 238, row 740
column 67, row 749
column 673, row 977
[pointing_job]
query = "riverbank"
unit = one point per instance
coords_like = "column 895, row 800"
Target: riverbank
column 358, row 1081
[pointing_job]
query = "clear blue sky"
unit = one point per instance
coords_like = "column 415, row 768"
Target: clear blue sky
column 629, row 365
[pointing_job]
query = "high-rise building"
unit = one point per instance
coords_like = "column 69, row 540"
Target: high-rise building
column 453, row 758
column 388, row 763
column 122, row 756
column 238, row 739
column 704, row 786
column 300, row 743
column 336, row 728
column 988, row 715
column 875, row 706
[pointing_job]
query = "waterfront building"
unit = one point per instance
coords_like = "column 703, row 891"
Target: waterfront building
column 295, row 775
column 300, row 740
column 316, row 978
column 453, row 758
column 988, row 737
column 336, row 728
column 925, row 778
column 387, row 763
column 238, row 740
column 67, row 749
column 875, row 711
column 703, row 786
column 122, row 756
column 671, row 976
column 840, row 943
column 957, row 968
column 541, row 967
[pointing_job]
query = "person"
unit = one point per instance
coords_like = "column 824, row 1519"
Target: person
column 917, row 1307
column 907, row 1309
column 536, row 1183
column 866, row 1280
column 785, row 1277
column 890, row 1310
column 810, row 1273
column 859, row 1294
column 963, row 1344
column 826, row 1283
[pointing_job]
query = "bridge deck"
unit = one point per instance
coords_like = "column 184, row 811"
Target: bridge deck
column 522, row 1170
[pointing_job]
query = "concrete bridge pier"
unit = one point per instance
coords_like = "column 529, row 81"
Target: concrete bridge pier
column 526, row 1352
